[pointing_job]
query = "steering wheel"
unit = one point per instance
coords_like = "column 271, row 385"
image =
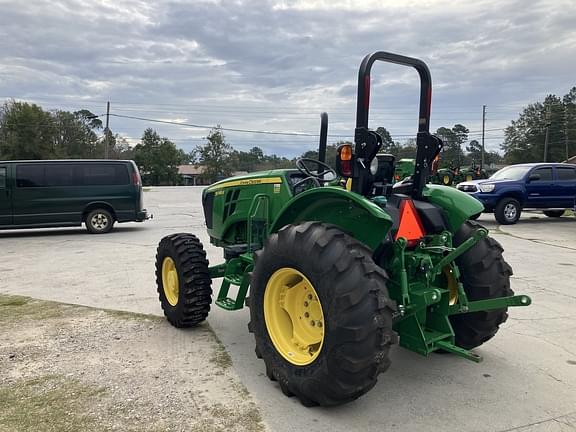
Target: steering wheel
column 318, row 176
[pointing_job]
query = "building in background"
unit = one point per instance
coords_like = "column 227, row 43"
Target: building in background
column 192, row 175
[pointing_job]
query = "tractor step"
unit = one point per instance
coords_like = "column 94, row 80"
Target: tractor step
column 234, row 279
column 226, row 302
column 234, row 272
column 229, row 304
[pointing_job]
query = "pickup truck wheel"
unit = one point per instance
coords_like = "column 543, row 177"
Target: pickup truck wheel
column 554, row 213
column 507, row 211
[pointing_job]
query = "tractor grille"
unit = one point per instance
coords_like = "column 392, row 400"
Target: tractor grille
column 208, row 205
column 230, row 203
column 467, row 188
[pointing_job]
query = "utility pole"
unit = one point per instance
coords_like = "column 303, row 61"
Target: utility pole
column 566, row 130
column 482, row 161
column 547, row 133
column 106, row 130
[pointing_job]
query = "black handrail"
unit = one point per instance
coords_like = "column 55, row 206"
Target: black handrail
column 323, row 137
column 363, row 102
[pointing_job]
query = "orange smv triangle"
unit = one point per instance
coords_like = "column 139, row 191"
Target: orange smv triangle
column 410, row 227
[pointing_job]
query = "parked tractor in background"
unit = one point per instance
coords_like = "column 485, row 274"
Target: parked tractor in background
column 454, row 175
column 340, row 265
column 404, row 168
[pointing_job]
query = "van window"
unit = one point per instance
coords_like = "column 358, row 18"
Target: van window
column 566, row 173
column 94, row 175
column 29, row 176
column 2, row 178
column 59, row 175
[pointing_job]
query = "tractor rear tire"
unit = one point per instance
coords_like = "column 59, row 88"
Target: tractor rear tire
column 554, row 213
column 183, row 280
column 484, row 275
column 348, row 291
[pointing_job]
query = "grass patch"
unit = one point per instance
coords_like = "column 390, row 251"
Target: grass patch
column 13, row 301
column 133, row 316
column 48, row 403
column 220, row 357
column 16, row 308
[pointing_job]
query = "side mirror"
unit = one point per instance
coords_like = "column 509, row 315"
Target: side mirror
column 534, row 177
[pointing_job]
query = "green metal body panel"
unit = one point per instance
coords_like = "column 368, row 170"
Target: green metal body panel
column 354, row 214
column 233, row 197
column 404, row 168
column 459, row 206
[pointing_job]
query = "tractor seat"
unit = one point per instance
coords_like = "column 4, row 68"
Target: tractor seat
column 383, row 179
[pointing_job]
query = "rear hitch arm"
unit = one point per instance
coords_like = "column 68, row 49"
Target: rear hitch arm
column 490, row 304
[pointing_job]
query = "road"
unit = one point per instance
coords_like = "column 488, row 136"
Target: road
column 527, row 381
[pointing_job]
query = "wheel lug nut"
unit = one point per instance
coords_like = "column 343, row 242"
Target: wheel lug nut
column 312, row 323
column 309, row 296
column 306, row 314
column 305, row 304
column 319, row 324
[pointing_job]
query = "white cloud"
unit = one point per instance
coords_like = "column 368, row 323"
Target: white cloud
column 276, row 65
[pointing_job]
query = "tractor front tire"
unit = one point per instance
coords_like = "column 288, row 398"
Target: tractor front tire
column 320, row 314
column 484, row 275
column 183, row 280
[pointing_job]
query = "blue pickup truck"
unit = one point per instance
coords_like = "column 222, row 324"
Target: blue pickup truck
column 550, row 187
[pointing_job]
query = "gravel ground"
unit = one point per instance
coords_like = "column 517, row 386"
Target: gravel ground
column 73, row 368
column 527, row 381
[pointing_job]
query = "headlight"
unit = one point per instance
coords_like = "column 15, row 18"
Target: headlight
column 489, row 187
column 374, row 166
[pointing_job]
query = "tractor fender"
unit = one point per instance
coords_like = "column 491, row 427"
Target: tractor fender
column 354, row 214
column 458, row 205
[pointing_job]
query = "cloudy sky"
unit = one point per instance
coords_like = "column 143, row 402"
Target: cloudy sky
column 276, row 65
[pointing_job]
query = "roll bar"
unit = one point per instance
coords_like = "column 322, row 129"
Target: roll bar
column 363, row 103
column 369, row 142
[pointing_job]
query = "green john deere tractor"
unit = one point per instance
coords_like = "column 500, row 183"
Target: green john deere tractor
column 404, row 168
column 340, row 265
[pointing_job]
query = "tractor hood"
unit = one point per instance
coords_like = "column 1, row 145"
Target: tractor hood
column 260, row 177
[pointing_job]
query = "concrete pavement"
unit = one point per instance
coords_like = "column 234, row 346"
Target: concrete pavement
column 527, row 381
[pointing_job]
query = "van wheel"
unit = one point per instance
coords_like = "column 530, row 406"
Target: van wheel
column 507, row 211
column 99, row 221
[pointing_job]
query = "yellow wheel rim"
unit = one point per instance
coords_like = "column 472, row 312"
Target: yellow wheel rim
column 446, row 180
column 170, row 281
column 293, row 316
column 452, row 285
